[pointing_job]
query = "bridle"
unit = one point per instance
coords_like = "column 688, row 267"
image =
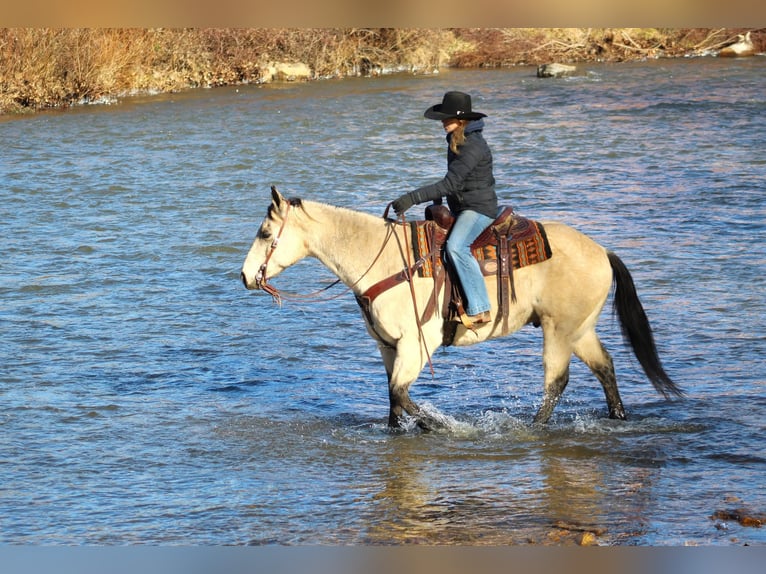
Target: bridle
column 262, row 281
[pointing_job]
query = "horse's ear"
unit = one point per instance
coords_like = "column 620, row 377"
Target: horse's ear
column 276, row 197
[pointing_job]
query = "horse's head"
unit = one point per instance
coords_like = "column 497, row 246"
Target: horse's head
column 277, row 244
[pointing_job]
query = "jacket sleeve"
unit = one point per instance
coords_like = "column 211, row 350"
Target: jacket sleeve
column 458, row 169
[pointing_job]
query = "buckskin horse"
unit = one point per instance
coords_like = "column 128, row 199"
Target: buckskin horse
column 410, row 316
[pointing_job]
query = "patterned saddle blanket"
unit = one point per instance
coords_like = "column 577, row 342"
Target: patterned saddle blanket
column 511, row 242
column 527, row 242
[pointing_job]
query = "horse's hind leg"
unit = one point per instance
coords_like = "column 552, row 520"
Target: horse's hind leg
column 551, row 396
column 557, row 354
column 592, row 352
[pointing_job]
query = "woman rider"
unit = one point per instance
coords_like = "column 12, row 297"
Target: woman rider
column 469, row 187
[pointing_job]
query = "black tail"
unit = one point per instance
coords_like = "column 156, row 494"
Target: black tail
column 636, row 330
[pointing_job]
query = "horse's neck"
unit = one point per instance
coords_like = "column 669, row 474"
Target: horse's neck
column 347, row 242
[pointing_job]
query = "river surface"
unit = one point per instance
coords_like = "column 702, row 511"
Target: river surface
column 147, row 398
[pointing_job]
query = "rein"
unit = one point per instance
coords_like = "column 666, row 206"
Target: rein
column 409, row 274
column 262, row 280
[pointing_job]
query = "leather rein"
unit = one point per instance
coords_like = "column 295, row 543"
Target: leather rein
column 262, row 281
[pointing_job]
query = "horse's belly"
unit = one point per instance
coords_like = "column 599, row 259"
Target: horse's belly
column 465, row 337
column 520, row 313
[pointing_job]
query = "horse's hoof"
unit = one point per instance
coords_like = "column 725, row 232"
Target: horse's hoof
column 426, row 425
column 618, row 415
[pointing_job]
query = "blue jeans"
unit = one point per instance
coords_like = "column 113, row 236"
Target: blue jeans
column 467, row 227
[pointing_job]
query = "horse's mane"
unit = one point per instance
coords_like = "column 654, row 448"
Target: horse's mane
column 344, row 213
column 293, row 201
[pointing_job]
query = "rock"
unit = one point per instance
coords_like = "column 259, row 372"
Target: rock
column 743, row 47
column 580, row 534
column 555, row 70
column 587, row 539
column 285, row 72
column 744, row 516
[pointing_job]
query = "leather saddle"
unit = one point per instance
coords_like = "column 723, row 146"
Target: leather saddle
column 511, row 241
column 496, row 239
column 442, row 216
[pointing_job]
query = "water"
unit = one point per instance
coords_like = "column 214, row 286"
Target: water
column 146, row 397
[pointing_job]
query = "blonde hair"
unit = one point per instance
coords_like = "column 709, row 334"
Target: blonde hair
column 458, row 136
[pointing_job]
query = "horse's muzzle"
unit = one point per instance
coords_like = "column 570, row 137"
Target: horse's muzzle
column 245, row 282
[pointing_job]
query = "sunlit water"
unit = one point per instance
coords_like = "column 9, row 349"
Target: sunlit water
column 146, row 397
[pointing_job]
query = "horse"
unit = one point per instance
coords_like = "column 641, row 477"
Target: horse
column 564, row 295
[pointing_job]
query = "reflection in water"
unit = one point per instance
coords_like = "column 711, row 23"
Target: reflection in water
column 417, row 504
column 148, row 398
column 405, row 510
column 581, row 494
column 550, row 491
column 574, row 491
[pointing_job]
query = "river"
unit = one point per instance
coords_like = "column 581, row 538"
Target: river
column 147, row 398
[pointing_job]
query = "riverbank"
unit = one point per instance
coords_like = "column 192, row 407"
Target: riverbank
column 57, row 68
column 149, row 400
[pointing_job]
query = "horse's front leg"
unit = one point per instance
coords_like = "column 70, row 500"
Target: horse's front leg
column 399, row 403
column 402, row 368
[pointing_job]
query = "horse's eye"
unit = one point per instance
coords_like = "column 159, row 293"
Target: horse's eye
column 264, row 233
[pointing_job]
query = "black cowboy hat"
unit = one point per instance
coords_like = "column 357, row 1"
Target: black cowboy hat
column 454, row 105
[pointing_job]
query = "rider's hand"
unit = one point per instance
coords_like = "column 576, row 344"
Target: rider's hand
column 403, row 203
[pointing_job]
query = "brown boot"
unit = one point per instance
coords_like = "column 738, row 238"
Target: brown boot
column 484, row 317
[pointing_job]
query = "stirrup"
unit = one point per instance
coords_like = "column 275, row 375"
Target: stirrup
column 469, row 321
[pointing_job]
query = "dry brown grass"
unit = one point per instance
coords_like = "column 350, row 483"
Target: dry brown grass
column 532, row 46
column 45, row 68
